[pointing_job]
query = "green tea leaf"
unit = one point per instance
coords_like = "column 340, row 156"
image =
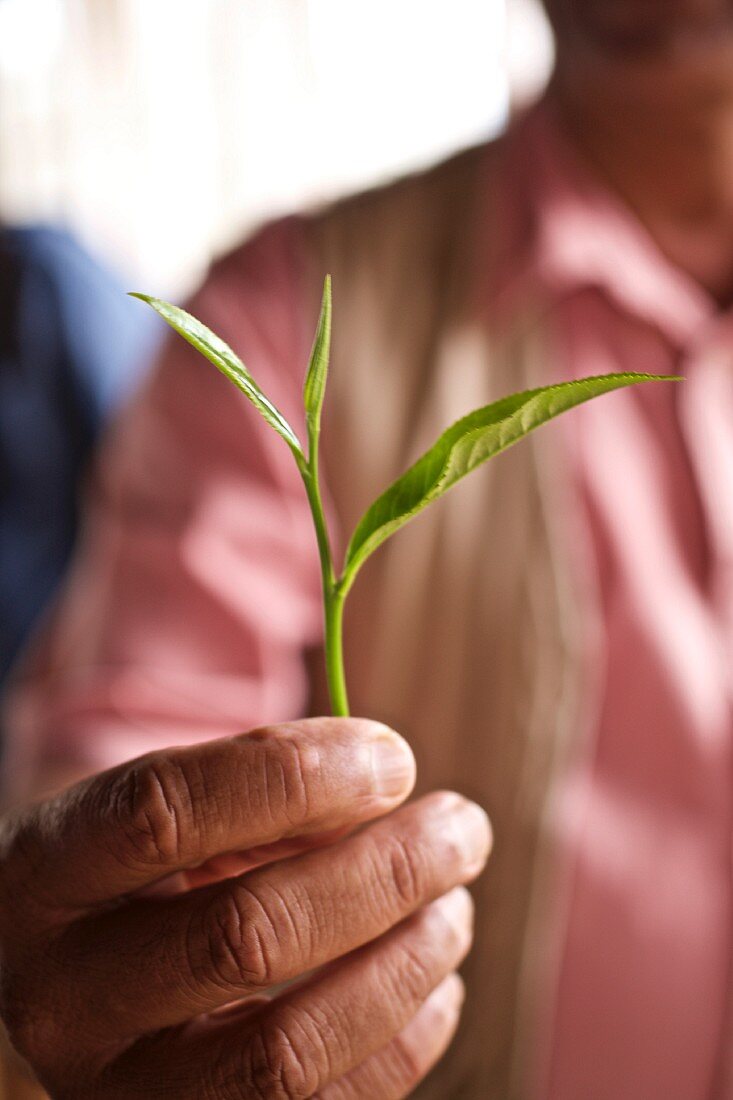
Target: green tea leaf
column 224, row 359
column 464, row 446
column 315, row 382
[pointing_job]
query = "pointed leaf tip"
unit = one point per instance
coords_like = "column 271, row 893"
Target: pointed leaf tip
column 314, row 390
column 213, row 348
column 466, row 445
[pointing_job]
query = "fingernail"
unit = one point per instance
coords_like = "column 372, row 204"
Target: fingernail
column 393, row 766
column 432, row 1027
column 449, row 996
column 472, row 833
column 456, row 907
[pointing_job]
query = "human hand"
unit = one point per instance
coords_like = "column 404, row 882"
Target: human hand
column 109, row 989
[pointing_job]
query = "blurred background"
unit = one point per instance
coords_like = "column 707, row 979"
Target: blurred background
column 160, row 131
column 139, row 139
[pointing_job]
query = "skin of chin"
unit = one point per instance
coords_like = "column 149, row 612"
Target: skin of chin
column 641, row 26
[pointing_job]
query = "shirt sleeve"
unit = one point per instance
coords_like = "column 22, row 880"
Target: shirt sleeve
column 72, row 345
column 196, row 589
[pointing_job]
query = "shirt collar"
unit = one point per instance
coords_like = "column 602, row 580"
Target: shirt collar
column 560, row 231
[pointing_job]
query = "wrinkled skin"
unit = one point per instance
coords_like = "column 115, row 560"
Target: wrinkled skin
column 147, row 913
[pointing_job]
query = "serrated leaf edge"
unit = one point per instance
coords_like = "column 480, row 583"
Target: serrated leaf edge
column 353, row 562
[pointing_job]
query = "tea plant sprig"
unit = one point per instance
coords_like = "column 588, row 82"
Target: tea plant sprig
column 466, row 445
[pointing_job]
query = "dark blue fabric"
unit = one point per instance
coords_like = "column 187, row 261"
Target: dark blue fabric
column 72, row 345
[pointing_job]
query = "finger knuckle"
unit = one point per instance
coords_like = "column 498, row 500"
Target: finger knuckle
column 27, row 1028
column 406, row 871
column 413, row 973
column 26, row 838
column 18, row 840
column 407, row 1066
column 17, row 1018
column 277, row 1068
column 242, row 940
column 154, row 808
column 290, row 773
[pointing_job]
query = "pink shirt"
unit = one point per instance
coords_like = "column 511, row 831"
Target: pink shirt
column 640, row 1009
column 180, row 521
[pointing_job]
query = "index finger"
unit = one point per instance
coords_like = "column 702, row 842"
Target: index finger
column 171, row 810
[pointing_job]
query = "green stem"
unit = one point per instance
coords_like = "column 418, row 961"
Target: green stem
column 334, row 606
column 333, row 596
